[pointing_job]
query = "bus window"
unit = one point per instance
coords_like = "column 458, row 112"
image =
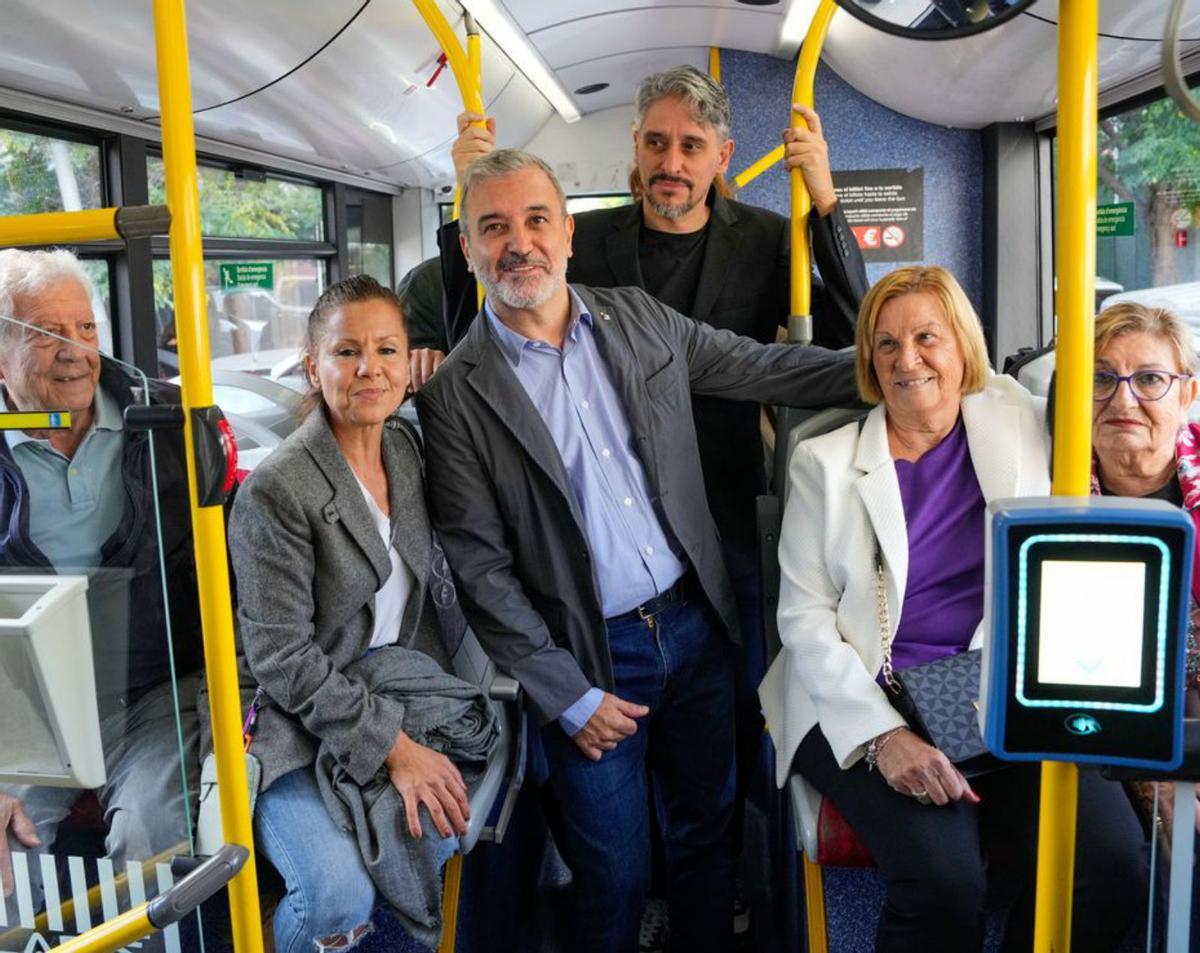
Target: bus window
column 369, row 236
column 257, row 312
column 1148, row 201
column 44, row 174
column 233, row 205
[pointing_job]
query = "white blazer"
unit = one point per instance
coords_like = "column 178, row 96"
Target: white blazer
column 843, row 495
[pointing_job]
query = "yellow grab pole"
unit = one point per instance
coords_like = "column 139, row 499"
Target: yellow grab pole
column 467, row 67
column 121, row 931
column 752, row 172
column 208, row 524
column 1074, row 303
column 714, row 63
column 814, row 907
column 800, row 320
column 451, row 892
column 464, row 64
column 59, row 228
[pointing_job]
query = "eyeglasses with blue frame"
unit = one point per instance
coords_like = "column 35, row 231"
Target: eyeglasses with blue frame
column 1145, row 385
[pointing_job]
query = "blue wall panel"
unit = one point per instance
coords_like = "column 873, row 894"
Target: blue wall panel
column 862, row 134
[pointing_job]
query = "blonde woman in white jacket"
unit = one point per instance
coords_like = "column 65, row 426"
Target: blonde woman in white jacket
column 912, row 484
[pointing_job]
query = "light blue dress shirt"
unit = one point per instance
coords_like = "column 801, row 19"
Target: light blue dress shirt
column 574, row 394
column 75, row 504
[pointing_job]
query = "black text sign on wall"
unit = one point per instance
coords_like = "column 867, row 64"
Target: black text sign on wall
column 885, row 209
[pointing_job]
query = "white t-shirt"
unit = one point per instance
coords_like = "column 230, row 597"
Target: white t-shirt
column 392, row 596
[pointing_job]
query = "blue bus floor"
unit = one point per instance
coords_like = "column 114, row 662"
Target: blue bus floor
column 854, row 899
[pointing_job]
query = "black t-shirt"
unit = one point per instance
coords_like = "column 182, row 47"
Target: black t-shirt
column 727, row 433
column 1170, row 491
column 671, row 265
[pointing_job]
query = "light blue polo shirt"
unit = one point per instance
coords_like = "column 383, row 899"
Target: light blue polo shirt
column 75, row 504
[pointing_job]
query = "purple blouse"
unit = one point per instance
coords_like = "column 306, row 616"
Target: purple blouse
column 944, row 511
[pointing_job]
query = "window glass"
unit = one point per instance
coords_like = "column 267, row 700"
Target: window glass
column 234, row 207
column 257, row 312
column 98, row 271
column 369, row 235
column 42, row 174
column 1149, row 209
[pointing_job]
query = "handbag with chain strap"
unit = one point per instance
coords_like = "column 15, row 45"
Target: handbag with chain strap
column 939, row 699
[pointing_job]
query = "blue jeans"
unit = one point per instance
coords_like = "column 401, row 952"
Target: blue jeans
column 329, row 892
column 680, row 669
column 143, row 798
column 749, row 668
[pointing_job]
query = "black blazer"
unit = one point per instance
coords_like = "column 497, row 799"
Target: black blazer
column 745, row 284
column 745, row 280
column 503, row 506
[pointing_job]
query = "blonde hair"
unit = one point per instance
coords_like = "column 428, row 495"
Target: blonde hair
column 1129, row 317
column 920, row 279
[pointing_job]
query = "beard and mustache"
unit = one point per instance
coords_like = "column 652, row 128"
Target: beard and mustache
column 521, row 291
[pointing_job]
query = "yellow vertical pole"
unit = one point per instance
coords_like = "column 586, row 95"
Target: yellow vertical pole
column 814, row 907
column 800, row 320
column 714, row 63
column 208, row 524
column 1074, row 303
column 451, row 893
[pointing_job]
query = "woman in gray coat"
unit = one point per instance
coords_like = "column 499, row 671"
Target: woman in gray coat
column 330, row 545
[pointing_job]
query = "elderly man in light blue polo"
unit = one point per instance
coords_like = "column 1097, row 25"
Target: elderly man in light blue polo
column 81, row 500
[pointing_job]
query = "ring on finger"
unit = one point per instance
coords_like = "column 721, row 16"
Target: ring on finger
column 921, row 796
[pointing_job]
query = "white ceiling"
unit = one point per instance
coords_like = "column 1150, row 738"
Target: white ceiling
column 1007, row 74
column 340, row 85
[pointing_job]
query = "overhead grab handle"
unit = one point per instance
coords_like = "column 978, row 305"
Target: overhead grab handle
column 1171, row 66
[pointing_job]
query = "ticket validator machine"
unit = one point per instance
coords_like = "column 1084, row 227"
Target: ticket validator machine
column 1086, row 603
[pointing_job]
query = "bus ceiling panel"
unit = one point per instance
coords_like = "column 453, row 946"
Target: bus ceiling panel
column 585, row 39
column 101, row 55
column 580, row 16
column 1005, row 75
column 623, row 71
column 520, row 113
column 365, row 103
column 1132, row 19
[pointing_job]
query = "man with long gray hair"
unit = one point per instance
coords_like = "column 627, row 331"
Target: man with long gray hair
column 565, row 483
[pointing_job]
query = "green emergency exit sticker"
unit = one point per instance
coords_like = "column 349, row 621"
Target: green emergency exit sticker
column 248, row 274
column 1113, row 220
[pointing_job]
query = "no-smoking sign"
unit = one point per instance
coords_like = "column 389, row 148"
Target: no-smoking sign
column 885, row 209
column 893, row 236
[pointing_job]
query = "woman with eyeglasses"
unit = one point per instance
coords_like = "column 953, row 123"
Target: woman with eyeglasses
column 1143, row 442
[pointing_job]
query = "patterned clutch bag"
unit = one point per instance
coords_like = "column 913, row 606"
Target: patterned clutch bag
column 941, row 701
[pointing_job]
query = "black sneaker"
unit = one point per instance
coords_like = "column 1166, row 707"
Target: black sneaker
column 656, row 927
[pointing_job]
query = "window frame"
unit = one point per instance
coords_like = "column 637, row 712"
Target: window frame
column 124, row 181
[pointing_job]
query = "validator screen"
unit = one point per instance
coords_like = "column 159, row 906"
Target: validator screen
column 1092, row 623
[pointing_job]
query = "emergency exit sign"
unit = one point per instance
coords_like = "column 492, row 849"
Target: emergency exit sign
column 248, row 274
column 1113, row 220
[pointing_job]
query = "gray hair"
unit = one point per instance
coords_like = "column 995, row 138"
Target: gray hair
column 505, row 162
column 25, row 274
column 705, row 98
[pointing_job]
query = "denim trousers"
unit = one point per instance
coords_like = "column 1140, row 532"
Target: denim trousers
column 679, row 667
column 146, row 799
column 330, row 894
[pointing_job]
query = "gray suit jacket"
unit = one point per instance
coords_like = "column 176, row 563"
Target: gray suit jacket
column 503, row 505
column 308, row 560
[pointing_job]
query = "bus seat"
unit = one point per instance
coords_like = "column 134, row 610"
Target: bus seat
column 494, row 796
column 821, row 833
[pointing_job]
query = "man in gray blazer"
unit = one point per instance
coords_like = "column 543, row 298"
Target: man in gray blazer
column 565, row 482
